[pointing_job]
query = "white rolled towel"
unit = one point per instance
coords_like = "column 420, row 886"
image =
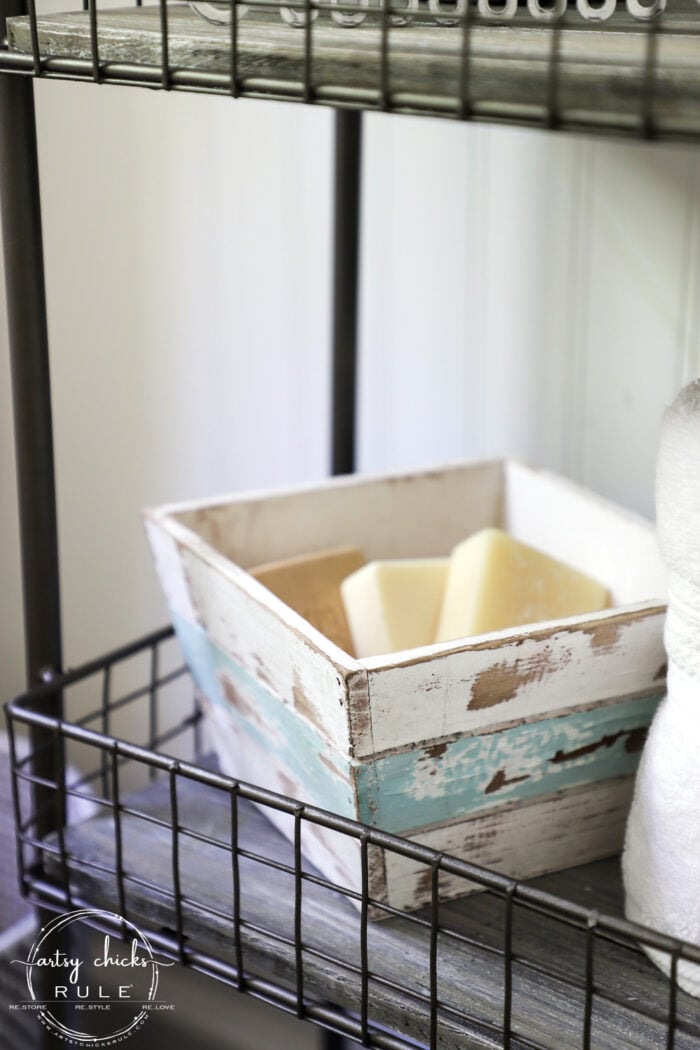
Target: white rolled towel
column 661, row 859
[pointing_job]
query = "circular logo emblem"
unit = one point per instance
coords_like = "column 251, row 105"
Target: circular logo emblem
column 92, row 995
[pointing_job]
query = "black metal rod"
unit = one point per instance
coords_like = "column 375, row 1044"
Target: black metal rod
column 298, row 912
column 364, row 943
column 434, row 933
column 348, row 166
column 29, row 358
column 26, row 308
column 331, row 1040
column 590, row 980
column 175, row 858
column 236, row 876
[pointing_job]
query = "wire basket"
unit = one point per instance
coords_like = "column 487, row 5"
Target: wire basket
column 17, row 919
column 187, row 854
column 624, row 66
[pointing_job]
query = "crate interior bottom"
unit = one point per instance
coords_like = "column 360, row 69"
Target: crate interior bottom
column 498, row 966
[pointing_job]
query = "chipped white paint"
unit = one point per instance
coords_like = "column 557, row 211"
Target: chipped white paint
column 256, row 630
column 511, row 678
column 337, row 856
column 393, row 515
column 171, row 572
column 522, row 841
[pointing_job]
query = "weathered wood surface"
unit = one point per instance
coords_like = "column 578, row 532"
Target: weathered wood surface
column 434, row 736
column 522, row 840
column 539, row 672
column 429, row 694
column 548, row 999
column 601, row 72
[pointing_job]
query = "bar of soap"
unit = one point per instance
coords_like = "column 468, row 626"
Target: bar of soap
column 394, row 605
column 495, row 582
column 310, row 584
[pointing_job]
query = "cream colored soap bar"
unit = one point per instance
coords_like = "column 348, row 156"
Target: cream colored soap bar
column 496, row 582
column 394, row 605
column 310, row 584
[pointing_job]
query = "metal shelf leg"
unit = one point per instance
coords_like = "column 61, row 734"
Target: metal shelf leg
column 31, row 394
column 26, row 309
column 348, row 165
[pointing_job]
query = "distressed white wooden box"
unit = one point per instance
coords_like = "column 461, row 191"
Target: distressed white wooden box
column 515, row 750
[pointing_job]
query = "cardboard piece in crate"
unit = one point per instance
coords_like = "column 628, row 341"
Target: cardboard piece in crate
column 515, row 750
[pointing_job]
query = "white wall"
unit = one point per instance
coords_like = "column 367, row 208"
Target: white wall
column 527, row 293
column 522, row 293
column 187, row 257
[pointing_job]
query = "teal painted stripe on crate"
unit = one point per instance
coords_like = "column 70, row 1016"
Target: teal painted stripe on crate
column 290, row 741
column 199, row 656
column 434, row 784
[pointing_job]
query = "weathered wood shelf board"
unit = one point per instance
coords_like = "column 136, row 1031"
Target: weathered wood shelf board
column 584, row 75
column 549, row 956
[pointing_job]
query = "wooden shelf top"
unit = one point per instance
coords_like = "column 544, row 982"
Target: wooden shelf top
column 549, row 955
column 619, row 75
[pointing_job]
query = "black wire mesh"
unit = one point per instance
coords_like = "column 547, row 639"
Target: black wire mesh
column 186, row 853
column 623, row 66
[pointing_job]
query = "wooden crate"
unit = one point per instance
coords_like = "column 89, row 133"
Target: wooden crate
column 514, row 749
